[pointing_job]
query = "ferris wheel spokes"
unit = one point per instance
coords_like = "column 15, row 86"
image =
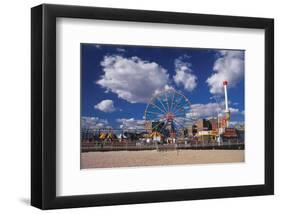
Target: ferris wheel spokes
column 182, row 126
column 167, row 102
column 162, row 104
column 172, row 100
column 180, row 108
column 163, row 127
column 168, row 111
column 178, row 101
column 158, row 107
column 158, row 124
column 180, row 115
column 156, row 113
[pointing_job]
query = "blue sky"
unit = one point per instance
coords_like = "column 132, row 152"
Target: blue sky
column 117, row 81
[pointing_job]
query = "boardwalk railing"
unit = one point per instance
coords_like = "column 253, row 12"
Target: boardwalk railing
column 91, row 147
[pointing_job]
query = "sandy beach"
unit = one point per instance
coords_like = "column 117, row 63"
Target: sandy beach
column 156, row 158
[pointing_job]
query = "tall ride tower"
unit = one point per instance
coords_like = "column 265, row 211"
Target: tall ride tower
column 227, row 112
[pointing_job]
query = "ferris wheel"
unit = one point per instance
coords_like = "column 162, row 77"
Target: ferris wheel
column 169, row 112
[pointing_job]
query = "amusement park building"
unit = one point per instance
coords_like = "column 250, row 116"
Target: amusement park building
column 203, row 125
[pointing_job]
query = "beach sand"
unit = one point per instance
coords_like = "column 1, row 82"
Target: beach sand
column 156, row 158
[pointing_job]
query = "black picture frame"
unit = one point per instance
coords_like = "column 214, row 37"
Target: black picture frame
column 43, row 106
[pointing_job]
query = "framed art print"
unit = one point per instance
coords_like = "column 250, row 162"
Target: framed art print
column 132, row 106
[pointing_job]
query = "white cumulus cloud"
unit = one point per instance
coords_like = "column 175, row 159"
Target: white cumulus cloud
column 93, row 123
column 166, row 88
column 131, row 123
column 229, row 66
column 105, row 106
column 184, row 74
column 132, row 79
column 210, row 110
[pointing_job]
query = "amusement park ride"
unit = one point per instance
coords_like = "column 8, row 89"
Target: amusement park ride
column 168, row 118
column 170, row 113
column 227, row 112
